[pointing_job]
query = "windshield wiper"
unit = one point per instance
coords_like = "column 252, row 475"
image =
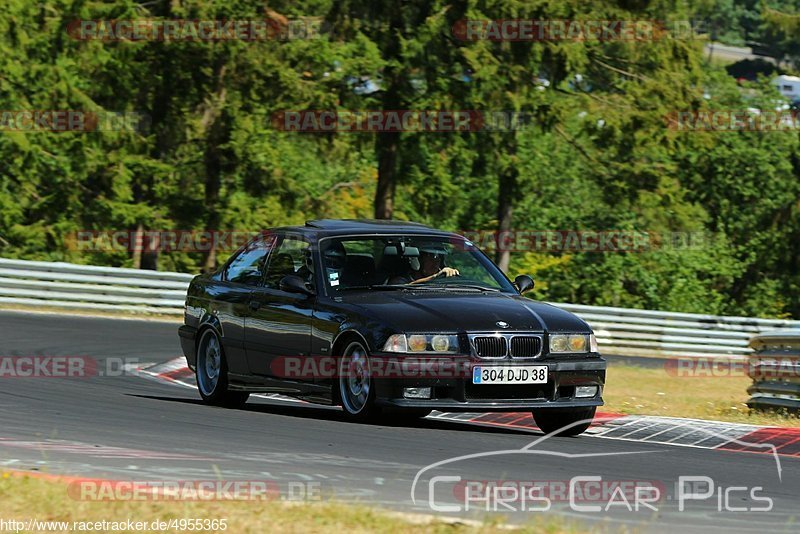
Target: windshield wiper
column 389, row 287
column 414, row 287
column 470, row 286
column 379, row 286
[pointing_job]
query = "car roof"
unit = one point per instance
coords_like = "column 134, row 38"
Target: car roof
column 334, row 227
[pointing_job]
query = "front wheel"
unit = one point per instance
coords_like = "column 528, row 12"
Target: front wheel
column 564, row 421
column 211, row 372
column 356, row 387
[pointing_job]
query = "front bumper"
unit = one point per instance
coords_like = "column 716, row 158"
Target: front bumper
column 454, row 394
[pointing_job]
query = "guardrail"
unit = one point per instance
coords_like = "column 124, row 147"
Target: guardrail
column 619, row 331
column 88, row 287
column 775, row 371
column 631, row 332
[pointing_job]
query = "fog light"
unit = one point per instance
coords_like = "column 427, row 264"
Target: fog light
column 583, row 392
column 417, row 393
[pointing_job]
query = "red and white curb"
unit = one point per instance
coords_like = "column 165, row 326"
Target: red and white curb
column 676, row 431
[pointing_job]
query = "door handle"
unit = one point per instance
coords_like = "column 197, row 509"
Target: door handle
column 254, row 304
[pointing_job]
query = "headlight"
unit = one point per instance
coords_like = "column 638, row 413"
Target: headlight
column 558, row 343
column 569, row 343
column 577, row 343
column 416, row 343
column 441, row 343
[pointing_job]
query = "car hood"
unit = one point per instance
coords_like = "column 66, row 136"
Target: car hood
column 426, row 311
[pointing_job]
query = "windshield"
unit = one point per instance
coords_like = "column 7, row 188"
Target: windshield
column 378, row 263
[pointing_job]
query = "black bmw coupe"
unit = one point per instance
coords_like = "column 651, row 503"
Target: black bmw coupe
column 386, row 317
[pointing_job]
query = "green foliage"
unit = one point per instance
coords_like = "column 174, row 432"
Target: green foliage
column 598, row 154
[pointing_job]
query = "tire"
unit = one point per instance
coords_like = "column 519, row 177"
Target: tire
column 553, row 420
column 211, row 373
column 356, row 386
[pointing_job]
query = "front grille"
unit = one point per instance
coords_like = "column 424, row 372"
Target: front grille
column 490, row 346
column 525, row 346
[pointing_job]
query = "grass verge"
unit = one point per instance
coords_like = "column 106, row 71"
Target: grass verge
column 25, row 497
column 645, row 391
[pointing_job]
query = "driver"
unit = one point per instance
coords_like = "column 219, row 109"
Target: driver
column 431, row 260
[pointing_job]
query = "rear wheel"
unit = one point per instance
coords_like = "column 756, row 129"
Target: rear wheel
column 356, row 387
column 211, row 371
column 554, row 420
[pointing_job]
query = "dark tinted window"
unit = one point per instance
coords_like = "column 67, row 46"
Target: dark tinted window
column 248, row 266
column 291, row 257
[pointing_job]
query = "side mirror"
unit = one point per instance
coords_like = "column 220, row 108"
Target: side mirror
column 524, row 283
column 292, row 283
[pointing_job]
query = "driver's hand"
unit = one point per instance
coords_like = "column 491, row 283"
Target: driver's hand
column 448, row 272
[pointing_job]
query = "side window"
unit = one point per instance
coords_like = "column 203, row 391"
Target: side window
column 248, row 266
column 291, row 257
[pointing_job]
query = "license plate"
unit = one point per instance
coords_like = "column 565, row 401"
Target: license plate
column 522, row 374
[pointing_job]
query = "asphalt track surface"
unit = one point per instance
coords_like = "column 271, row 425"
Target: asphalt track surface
column 129, row 427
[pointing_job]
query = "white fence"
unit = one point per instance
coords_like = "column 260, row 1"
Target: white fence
column 619, row 331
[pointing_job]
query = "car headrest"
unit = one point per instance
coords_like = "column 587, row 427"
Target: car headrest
column 393, row 250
